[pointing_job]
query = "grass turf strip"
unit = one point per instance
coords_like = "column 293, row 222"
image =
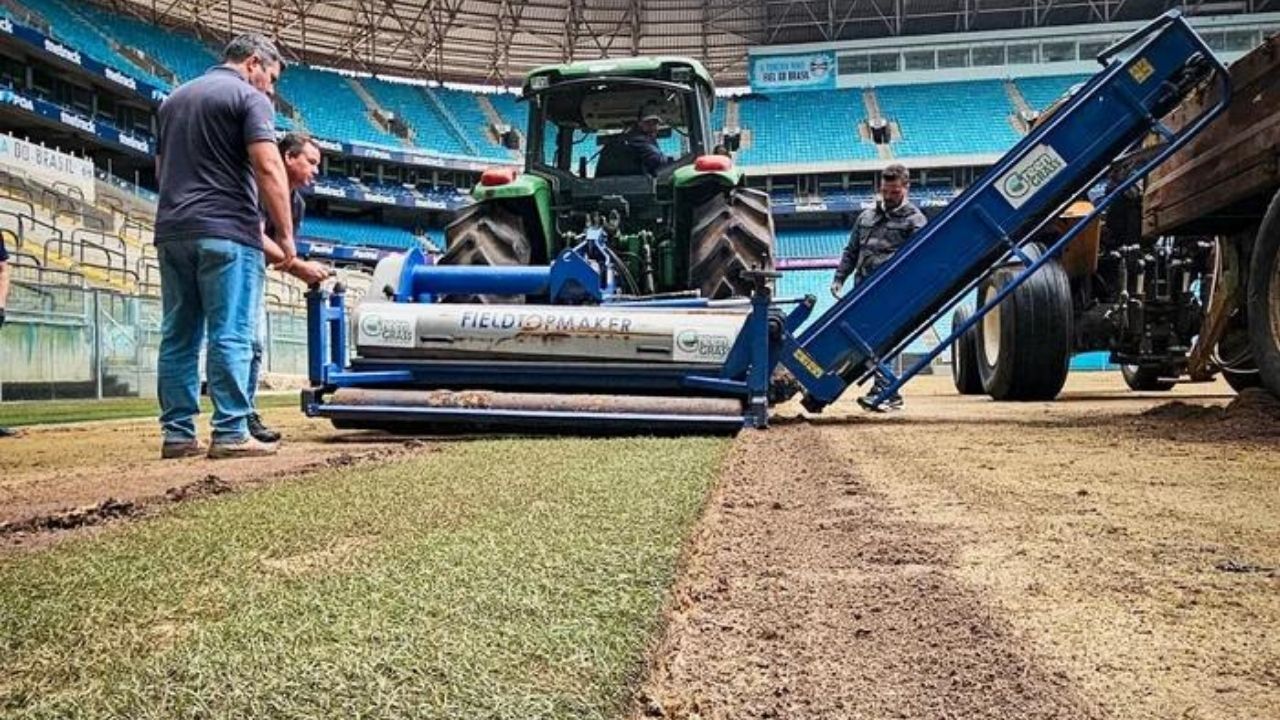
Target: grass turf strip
column 44, row 412
column 490, row 579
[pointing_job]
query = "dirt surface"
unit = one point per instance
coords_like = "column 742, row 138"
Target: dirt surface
column 1110, row 555
column 64, row 477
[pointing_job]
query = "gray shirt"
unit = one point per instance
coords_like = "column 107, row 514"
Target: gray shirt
column 207, row 187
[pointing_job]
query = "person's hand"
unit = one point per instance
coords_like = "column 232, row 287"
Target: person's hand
column 835, row 288
column 309, row 272
column 289, row 249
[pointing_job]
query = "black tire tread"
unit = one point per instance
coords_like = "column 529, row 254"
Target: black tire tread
column 1145, row 378
column 1263, row 342
column 486, row 234
column 731, row 232
column 964, row 357
column 1035, row 334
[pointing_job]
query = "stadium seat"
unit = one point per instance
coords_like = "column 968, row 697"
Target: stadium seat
column 931, row 124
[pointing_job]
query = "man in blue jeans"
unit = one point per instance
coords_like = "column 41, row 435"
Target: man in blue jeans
column 216, row 161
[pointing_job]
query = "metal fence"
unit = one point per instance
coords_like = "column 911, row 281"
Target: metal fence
column 65, row 340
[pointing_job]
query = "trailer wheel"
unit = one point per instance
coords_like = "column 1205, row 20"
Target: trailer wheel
column 1145, row 378
column 964, row 357
column 486, row 234
column 1262, row 299
column 731, row 232
column 1024, row 344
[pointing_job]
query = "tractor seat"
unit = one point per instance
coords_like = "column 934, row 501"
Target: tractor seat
column 617, row 159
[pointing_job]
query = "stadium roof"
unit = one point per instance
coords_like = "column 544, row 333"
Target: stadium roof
column 496, row 41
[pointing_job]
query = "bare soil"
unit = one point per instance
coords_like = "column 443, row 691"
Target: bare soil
column 57, row 478
column 1110, row 555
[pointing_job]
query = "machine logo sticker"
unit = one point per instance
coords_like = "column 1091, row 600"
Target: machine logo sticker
column 386, row 332
column 1031, row 173
column 700, row 346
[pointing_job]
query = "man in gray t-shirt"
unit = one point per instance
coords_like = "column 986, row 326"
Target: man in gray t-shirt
column 216, row 162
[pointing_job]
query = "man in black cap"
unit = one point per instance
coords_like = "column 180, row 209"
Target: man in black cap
column 879, row 233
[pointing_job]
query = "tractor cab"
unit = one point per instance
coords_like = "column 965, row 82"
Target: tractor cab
column 611, row 134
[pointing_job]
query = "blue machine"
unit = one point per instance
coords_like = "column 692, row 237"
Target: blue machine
column 1144, row 77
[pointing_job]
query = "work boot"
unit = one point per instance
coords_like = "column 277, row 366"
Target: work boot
column 250, row 447
column 179, row 449
column 260, row 431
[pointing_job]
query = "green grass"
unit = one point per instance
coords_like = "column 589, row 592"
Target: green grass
column 490, row 579
column 44, row 412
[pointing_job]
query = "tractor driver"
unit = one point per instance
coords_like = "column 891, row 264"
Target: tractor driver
column 879, row 233
column 642, row 141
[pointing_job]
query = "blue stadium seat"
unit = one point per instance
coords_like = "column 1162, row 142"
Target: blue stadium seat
column 69, row 24
column 811, row 243
column 355, row 232
column 1041, row 92
column 512, row 109
column 330, row 107
column 179, row 53
column 804, row 127
column 466, row 111
column 956, row 118
column 411, row 105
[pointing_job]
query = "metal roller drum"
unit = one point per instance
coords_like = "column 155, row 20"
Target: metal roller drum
column 433, row 411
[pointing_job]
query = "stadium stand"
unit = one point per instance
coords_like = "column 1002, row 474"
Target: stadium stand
column 1041, row 92
column 808, row 243
column 463, row 108
column 178, row 53
column 356, row 232
column 332, row 109
column 68, row 24
column 983, row 126
column 804, row 127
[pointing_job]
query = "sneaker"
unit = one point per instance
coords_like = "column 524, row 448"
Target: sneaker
column 247, row 448
column 260, row 431
column 180, row 449
column 890, row 404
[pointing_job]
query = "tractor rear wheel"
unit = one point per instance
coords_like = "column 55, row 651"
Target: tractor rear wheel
column 731, row 232
column 486, row 234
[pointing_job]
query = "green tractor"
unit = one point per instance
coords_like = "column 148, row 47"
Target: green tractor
column 687, row 226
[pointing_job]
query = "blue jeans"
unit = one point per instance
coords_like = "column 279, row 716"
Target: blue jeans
column 213, row 283
column 255, row 362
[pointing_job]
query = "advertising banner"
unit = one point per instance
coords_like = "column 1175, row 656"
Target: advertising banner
column 784, row 73
column 47, row 167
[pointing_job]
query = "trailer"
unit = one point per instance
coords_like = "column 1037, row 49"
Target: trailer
column 1179, row 280
column 589, row 357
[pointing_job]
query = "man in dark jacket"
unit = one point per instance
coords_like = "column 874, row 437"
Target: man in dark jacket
column 642, row 140
column 879, row 233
